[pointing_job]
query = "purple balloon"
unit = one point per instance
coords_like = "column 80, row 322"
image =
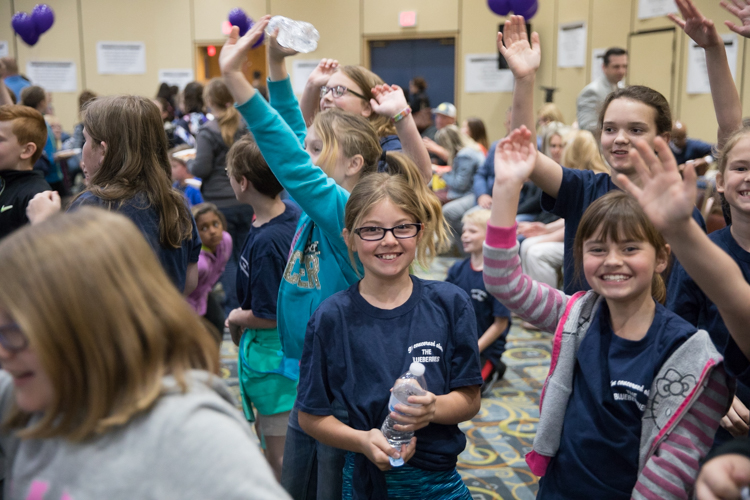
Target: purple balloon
column 43, row 17
column 530, row 12
column 237, row 17
column 499, row 7
column 24, row 27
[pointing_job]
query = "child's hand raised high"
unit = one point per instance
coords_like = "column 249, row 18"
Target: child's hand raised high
column 695, row 25
column 667, row 199
column 741, row 9
column 515, row 157
column 389, row 100
column 276, row 52
column 234, row 52
column 523, row 59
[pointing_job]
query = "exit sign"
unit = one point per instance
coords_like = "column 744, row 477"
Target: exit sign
column 407, row 19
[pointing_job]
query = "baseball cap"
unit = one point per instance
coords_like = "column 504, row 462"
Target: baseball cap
column 445, row 108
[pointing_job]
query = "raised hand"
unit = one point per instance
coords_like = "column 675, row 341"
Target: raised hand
column 389, row 100
column 234, row 53
column 322, row 72
column 376, row 448
column 523, row 59
column 665, row 196
column 515, row 157
column 741, row 9
column 276, row 52
column 700, row 29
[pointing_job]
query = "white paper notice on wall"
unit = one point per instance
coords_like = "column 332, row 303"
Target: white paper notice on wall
column 697, row 75
column 121, row 58
column 597, row 59
column 301, row 70
column 53, row 76
column 571, row 45
column 481, row 75
column 655, row 8
column 4, row 48
column 179, row 77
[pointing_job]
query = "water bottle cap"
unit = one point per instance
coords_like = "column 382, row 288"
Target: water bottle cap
column 416, row 369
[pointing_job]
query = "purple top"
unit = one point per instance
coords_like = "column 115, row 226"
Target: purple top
column 210, row 268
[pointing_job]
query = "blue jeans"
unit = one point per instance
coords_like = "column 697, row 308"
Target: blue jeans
column 239, row 219
column 311, row 470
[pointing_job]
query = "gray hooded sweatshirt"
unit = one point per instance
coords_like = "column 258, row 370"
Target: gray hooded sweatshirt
column 187, row 446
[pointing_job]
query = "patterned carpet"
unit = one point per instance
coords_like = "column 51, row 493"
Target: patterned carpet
column 501, row 434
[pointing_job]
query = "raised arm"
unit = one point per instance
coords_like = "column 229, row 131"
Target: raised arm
column 668, row 200
column 515, row 157
column 280, row 92
column 723, row 91
column 232, row 57
column 310, row 101
column 390, row 101
column 523, row 60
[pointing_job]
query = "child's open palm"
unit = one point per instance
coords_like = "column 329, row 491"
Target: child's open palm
column 515, row 157
column 389, row 100
column 322, row 72
column 741, row 9
column 695, row 25
column 523, row 59
column 667, row 199
column 234, row 53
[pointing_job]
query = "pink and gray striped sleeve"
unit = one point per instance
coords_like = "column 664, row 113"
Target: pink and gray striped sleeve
column 537, row 303
column 671, row 470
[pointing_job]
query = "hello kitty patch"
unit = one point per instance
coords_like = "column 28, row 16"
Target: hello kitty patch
column 671, row 390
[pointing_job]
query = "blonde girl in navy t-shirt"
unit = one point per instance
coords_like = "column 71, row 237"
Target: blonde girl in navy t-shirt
column 360, row 340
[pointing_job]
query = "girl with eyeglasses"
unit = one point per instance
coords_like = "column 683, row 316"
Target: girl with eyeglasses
column 361, row 339
column 345, row 148
column 110, row 385
column 350, row 88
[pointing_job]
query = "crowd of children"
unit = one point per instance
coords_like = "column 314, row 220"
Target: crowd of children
column 313, row 216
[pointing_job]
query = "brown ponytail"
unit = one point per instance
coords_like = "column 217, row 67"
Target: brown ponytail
column 217, row 95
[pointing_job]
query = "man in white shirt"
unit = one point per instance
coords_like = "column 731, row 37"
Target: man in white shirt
column 614, row 68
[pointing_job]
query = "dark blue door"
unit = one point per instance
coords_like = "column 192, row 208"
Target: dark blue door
column 398, row 61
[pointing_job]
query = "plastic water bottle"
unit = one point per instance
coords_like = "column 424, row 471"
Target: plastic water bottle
column 295, row 35
column 411, row 383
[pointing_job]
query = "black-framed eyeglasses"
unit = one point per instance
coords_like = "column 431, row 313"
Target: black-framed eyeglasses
column 12, row 338
column 402, row 231
column 338, row 91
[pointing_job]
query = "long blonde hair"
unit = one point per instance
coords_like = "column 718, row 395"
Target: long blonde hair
column 352, row 134
column 217, row 95
column 103, row 317
column 404, row 187
column 582, row 152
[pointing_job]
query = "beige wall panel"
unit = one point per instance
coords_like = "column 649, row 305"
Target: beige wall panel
column 6, row 31
column 744, row 87
column 607, row 28
column 381, row 16
column 544, row 24
column 210, row 14
column 570, row 81
column 338, row 39
column 651, row 62
column 168, row 44
column 479, row 27
column 60, row 43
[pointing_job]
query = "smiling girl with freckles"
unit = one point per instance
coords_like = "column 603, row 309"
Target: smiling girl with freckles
column 624, row 411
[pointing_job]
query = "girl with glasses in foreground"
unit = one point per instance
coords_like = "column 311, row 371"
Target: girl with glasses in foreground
column 109, row 386
column 360, row 340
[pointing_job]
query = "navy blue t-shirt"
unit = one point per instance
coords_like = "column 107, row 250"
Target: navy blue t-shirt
column 689, row 302
column 486, row 306
column 578, row 190
column 600, row 442
column 391, row 144
column 354, row 352
column 263, row 260
column 146, row 217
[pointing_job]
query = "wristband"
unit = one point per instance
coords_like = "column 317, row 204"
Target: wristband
column 402, row 114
